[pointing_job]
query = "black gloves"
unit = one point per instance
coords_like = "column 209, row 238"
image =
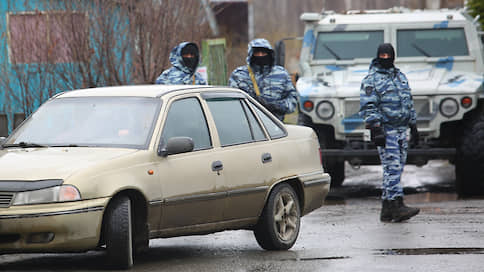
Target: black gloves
column 414, row 135
column 377, row 136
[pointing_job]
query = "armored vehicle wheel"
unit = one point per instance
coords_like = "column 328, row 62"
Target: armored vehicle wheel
column 119, row 233
column 336, row 169
column 278, row 226
column 470, row 157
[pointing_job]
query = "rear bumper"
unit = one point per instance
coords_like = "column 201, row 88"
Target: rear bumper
column 316, row 187
column 58, row 227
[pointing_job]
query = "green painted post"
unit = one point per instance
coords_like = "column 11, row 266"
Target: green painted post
column 213, row 57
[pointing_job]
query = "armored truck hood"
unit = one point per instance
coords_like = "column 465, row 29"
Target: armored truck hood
column 52, row 162
column 340, row 81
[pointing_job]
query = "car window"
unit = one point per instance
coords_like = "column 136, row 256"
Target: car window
column 257, row 131
column 431, row 42
column 126, row 122
column 230, row 118
column 347, row 45
column 274, row 130
column 186, row 118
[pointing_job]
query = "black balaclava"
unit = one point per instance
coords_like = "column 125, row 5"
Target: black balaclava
column 261, row 61
column 190, row 63
column 386, row 48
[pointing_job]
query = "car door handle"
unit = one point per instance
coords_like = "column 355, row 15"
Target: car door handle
column 266, row 157
column 217, row 166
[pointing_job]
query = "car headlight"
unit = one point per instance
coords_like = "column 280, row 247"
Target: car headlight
column 60, row 193
column 449, row 107
column 325, row 110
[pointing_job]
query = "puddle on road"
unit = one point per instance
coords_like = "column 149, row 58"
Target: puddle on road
column 430, row 251
column 427, row 197
column 317, row 258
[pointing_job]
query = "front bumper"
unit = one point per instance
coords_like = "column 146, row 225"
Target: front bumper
column 57, row 227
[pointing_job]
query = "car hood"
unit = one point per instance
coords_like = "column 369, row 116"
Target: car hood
column 424, row 80
column 52, row 162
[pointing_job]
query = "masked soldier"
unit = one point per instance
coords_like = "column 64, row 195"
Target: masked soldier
column 268, row 83
column 184, row 58
column 387, row 108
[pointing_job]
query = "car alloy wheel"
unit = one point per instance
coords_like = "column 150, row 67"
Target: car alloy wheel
column 279, row 223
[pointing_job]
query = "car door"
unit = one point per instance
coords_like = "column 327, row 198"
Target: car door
column 192, row 186
column 245, row 159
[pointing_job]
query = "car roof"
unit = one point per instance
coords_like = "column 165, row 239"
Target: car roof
column 420, row 16
column 141, row 90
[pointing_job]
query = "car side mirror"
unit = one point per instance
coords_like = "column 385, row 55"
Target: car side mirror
column 176, row 145
column 2, row 140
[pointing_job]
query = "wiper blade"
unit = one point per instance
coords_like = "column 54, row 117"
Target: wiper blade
column 331, row 51
column 23, row 145
column 419, row 49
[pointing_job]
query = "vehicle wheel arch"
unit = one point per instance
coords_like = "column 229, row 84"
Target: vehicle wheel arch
column 140, row 217
column 296, row 185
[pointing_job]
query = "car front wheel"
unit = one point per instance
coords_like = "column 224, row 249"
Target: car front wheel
column 278, row 226
column 119, row 233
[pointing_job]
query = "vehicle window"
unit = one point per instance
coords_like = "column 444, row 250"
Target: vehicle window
column 347, row 45
column 231, row 121
column 431, row 42
column 186, row 118
column 274, row 130
column 91, row 121
column 257, row 132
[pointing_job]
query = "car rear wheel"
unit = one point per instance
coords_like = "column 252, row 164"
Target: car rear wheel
column 119, row 233
column 278, row 226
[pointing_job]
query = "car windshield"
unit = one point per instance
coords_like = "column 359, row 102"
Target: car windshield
column 347, row 45
column 431, row 43
column 90, row 121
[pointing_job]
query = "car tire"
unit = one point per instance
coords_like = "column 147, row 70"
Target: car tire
column 470, row 157
column 278, row 226
column 119, row 234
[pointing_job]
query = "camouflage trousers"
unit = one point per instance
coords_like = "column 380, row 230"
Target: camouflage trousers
column 393, row 157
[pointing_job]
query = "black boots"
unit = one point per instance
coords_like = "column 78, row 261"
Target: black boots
column 396, row 211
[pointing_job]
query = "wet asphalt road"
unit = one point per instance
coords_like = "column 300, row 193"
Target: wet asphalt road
column 344, row 235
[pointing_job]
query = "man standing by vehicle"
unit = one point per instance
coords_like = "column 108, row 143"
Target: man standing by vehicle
column 387, row 108
column 268, row 83
column 184, row 58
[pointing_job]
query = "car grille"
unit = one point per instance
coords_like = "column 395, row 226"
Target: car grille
column 354, row 122
column 5, row 199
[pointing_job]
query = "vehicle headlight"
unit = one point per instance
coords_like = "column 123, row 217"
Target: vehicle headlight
column 449, row 107
column 325, row 110
column 60, row 193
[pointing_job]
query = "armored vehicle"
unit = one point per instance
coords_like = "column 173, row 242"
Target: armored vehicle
column 440, row 51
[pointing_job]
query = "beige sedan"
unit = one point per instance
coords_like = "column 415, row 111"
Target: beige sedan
column 114, row 167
